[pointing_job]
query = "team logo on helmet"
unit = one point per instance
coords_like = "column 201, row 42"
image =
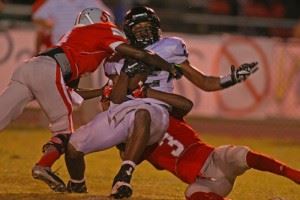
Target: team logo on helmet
column 92, row 16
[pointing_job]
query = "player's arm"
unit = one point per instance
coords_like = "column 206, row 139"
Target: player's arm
column 86, row 93
column 148, row 58
column 202, row 81
column 213, row 83
column 180, row 105
column 119, row 91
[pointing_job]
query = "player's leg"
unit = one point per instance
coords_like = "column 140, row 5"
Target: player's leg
column 97, row 135
column 218, row 174
column 141, row 125
column 149, row 124
column 16, row 95
column 212, row 185
column 134, row 148
column 51, row 93
column 12, row 102
column 240, row 156
column 266, row 163
column 76, row 167
column 51, row 152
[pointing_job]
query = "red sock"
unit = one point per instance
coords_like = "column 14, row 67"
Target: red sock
column 49, row 158
column 205, row 196
column 292, row 174
column 265, row 163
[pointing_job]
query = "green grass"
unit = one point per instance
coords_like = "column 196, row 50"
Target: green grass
column 20, row 149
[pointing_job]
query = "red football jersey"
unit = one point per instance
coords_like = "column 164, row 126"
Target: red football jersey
column 181, row 152
column 87, row 46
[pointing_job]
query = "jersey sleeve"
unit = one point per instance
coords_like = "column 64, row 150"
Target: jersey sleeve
column 113, row 68
column 114, row 39
column 172, row 49
column 180, row 53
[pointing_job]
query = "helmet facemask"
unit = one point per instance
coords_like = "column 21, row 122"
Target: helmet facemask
column 142, row 27
column 145, row 34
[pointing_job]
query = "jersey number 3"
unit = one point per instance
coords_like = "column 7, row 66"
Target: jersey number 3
column 178, row 147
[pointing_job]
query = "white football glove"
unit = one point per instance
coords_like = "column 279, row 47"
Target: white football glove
column 238, row 74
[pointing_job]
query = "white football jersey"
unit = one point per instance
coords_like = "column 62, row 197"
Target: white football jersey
column 171, row 49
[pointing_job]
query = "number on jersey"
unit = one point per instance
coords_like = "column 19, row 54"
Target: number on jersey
column 178, row 147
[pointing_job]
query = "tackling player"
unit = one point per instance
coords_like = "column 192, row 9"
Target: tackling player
column 210, row 172
column 45, row 78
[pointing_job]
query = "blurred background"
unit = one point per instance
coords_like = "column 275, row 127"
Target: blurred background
column 218, row 33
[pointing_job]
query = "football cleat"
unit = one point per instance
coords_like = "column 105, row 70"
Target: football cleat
column 121, row 190
column 76, row 187
column 50, row 178
column 121, row 187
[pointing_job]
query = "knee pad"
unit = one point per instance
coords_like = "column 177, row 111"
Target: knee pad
column 204, row 196
column 238, row 156
column 58, row 142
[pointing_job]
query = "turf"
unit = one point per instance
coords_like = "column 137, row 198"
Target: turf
column 20, row 149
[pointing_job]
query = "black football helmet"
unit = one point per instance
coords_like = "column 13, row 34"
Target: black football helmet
column 137, row 15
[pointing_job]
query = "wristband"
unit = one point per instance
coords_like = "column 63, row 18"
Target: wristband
column 226, row 81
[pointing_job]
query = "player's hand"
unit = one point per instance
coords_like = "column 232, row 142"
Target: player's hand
column 238, row 74
column 175, row 72
column 132, row 67
column 243, row 71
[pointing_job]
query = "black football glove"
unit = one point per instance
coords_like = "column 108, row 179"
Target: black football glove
column 238, row 74
column 132, row 67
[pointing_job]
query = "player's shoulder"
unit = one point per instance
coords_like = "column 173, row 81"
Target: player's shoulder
column 172, row 40
column 175, row 46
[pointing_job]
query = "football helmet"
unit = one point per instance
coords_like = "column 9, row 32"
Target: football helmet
column 92, row 16
column 150, row 34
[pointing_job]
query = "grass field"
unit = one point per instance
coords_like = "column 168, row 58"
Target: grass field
column 20, row 149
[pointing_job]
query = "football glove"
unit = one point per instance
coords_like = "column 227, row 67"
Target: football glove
column 132, row 67
column 239, row 74
column 140, row 91
column 175, row 72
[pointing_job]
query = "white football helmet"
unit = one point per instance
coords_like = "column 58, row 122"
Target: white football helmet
column 92, row 16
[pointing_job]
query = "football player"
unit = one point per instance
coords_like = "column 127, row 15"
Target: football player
column 45, row 78
column 144, row 120
column 210, row 172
